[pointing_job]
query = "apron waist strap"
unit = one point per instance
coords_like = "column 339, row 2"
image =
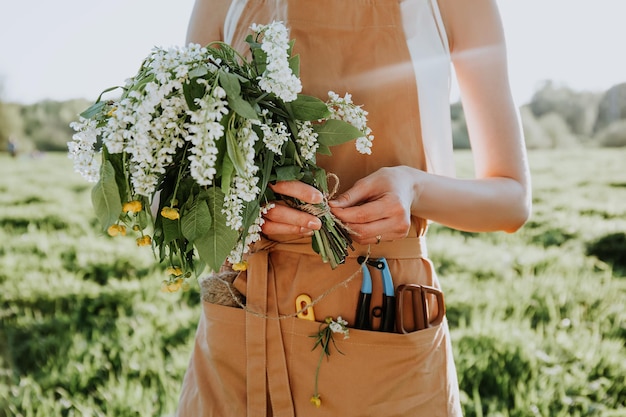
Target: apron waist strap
column 407, row 248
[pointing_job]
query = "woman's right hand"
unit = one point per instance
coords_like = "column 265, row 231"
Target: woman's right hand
column 285, row 220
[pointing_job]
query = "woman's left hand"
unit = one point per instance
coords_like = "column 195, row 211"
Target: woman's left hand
column 378, row 207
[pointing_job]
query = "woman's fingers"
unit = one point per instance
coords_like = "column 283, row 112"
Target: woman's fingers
column 376, row 218
column 370, row 233
column 299, row 190
column 284, row 220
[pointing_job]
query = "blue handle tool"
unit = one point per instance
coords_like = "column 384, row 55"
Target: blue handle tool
column 387, row 311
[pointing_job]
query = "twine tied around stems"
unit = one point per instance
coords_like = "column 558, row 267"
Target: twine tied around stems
column 323, row 209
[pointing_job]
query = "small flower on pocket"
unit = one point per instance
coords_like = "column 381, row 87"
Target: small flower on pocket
column 316, row 401
column 323, row 338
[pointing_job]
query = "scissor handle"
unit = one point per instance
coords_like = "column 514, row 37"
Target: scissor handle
column 419, row 307
column 362, row 320
column 441, row 306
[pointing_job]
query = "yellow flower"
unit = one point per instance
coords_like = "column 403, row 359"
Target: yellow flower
column 240, row 266
column 116, row 229
column 144, row 240
column 134, row 206
column 174, row 270
column 316, row 401
column 174, row 286
column 171, row 286
column 170, row 213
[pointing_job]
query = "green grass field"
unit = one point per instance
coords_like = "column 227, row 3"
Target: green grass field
column 538, row 317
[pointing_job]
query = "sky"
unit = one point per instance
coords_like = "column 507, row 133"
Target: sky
column 66, row 49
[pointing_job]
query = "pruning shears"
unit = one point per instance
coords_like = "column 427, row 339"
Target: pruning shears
column 386, row 313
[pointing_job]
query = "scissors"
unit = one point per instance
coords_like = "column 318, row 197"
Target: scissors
column 387, row 311
column 415, row 299
column 304, row 300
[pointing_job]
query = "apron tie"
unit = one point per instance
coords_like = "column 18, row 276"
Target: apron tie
column 265, row 352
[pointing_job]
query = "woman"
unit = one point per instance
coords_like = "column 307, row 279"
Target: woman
column 394, row 57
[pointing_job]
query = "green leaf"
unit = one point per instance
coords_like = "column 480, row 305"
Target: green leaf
column 288, row 173
column 292, row 42
column 235, row 152
column 294, row 65
column 219, row 241
column 227, row 173
column 117, row 161
column 198, row 72
column 323, row 149
column 105, row 197
column 335, row 132
column 230, row 83
column 93, row 110
column 320, row 180
column 308, row 108
column 192, row 91
column 98, row 106
column 142, row 219
column 250, row 213
column 242, row 107
column 141, row 83
column 196, row 221
column 260, row 59
column 171, row 230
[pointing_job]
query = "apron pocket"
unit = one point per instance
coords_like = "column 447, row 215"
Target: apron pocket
column 382, row 374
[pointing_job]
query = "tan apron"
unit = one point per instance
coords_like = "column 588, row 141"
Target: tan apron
column 245, row 364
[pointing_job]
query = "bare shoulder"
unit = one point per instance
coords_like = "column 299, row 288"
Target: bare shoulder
column 206, row 23
column 471, row 23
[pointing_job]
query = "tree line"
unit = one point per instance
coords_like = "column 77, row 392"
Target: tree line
column 558, row 117
column 555, row 117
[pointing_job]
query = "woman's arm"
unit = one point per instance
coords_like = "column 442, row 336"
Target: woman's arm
column 207, row 21
column 499, row 198
column 479, row 56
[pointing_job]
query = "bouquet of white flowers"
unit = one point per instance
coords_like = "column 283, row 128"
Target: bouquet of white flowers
column 185, row 155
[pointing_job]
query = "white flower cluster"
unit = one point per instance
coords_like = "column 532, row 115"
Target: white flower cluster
column 342, row 108
column 254, row 235
column 82, row 149
column 275, row 136
column 340, row 326
column 204, row 130
column 277, row 77
column 175, row 62
column 244, row 185
column 307, row 139
column 149, row 122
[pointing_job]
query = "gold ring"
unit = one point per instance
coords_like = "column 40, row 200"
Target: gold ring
column 378, row 237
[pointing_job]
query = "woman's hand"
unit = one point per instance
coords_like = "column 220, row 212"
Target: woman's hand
column 285, row 220
column 378, row 207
